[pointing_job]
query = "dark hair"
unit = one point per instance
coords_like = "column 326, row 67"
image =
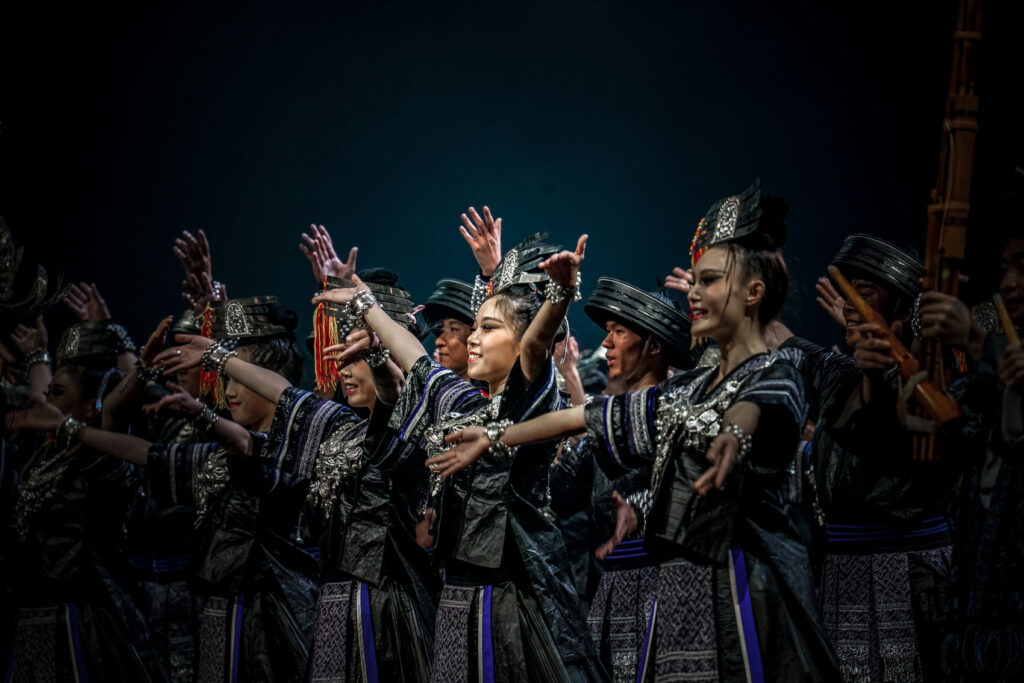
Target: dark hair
column 278, row 353
column 90, row 380
column 518, row 303
column 770, row 268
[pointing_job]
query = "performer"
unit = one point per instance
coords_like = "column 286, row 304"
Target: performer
column 646, row 334
column 507, row 611
column 449, row 313
column 985, row 638
column 77, row 618
column 735, row 591
column 886, row 566
column 375, row 613
column 258, row 582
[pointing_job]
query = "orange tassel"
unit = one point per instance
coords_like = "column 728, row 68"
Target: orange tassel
column 325, row 334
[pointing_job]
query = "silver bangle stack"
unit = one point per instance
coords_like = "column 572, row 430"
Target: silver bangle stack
column 378, row 357
column 205, row 419
column 38, row 356
column 359, row 304
column 746, row 440
column 495, row 430
column 556, row 293
column 67, row 432
column 217, row 355
column 146, row 373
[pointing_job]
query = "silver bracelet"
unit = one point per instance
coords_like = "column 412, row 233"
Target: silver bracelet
column 217, row 355
column 495, row 430
column 67, row 432
column 556, row 293
column 746, row 440
column 359, row 304
column 38, row 356
column 378, row 357
column 145, row 373
column 205, row 419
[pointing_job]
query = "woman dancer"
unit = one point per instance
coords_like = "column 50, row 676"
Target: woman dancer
column 507, row 610
column 735, row 592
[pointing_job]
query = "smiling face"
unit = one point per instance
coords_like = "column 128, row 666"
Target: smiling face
column 719, row 300
column 875, row 297
column 1011, row 287
column 452, row 351
column 493, row 345
column 357, row 383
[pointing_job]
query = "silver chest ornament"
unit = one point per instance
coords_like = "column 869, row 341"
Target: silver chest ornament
column 436, row 445
column 694, row 425
column 340, row 457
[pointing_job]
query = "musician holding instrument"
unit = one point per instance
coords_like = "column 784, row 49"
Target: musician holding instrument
column 985, row 638
column 887, row 542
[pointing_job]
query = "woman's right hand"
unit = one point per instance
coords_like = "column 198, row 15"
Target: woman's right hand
column 483, row 235
column 182, row 357
column 680, row 280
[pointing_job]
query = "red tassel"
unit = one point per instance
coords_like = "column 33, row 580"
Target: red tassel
column 325, row 334
column 208, row 380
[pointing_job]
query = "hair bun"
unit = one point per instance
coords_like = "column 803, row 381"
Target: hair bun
column 772, row 226
column 379, row 276
column 279, row 314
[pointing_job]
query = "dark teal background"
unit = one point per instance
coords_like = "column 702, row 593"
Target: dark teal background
column 384, row 121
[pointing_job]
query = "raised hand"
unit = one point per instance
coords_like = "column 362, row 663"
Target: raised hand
column 680, row 280
column 472, row 442
column 831, row 300
column 340, row 295
column 355, row 347
column 626, row 523
column 319, row 249
column 182, row 357
column 567, row 353
column 155, row 343
column 86, row 303
column 564, row 266
column 178, row 402
column 200, row 290
column 29, row 339
column 193, row 253
column 483, row 235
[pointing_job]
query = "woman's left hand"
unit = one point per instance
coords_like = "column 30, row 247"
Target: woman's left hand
column 726, row 446
column 341, row 295
column 472, row 442
column 182, row 357
column 564, row 266
column 29, row 339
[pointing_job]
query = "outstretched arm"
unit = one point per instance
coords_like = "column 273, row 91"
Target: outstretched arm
column 472, row 442
column 266, row 383
column 405, row 348
column 563, row 268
